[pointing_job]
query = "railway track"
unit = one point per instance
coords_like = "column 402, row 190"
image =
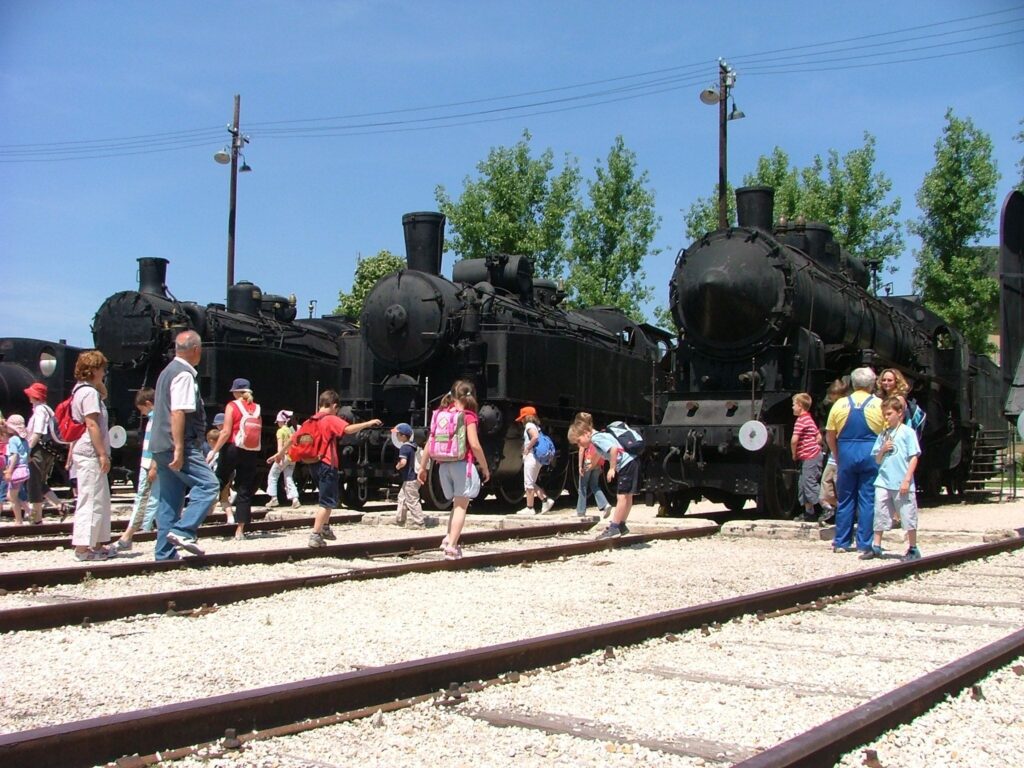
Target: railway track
column 156, row 729
column 180, row 602
column 111, row 569
column 30, row 530
column 207, row 529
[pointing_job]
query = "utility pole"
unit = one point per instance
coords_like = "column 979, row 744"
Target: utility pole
column 235, row 145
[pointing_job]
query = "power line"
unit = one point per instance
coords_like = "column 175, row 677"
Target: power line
column 657, row 81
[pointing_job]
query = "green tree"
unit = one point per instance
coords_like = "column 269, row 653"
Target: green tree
column 611, row 237
column 368, row 272
column 844, row 192
column 958, row 204
column 516, row 205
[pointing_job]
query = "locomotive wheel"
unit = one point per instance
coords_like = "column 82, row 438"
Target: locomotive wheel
column 355, row 494
column 735, row 503
column 510, row 492
column 671, row 506
column 779, row 485
column 435, row 497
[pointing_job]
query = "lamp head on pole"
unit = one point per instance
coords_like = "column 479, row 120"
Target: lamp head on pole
column 710, row 95
column 737, row 113
column 223, row 156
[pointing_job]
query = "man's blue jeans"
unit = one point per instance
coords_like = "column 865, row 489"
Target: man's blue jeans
column 198, row 479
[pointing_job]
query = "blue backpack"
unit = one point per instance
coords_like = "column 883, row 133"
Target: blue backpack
column 544, row 449
column 631, row 441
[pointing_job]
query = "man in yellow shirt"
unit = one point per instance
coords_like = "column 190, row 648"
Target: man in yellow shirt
column 853, row 423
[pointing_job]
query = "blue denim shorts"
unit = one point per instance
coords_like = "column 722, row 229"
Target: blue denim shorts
column 328, row 486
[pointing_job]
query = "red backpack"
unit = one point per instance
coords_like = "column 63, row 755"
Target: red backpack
column 307, row 443
column 249, row 430
column 64, row 428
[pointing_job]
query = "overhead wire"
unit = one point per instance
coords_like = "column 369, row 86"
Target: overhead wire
column 794, row 59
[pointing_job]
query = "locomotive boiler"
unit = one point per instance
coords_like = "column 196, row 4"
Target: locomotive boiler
column 765, row 312
column 496, row 325
column 255, row 336
column 24, row 361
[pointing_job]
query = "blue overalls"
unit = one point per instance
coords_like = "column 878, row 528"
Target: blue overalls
column 855, row 480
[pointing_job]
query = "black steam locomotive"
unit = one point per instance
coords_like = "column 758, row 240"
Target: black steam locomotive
column 496, row 325
column 256, row 336
column 24, row 361
column 764, row 313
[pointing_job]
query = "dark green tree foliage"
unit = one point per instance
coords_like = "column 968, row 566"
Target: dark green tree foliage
column 958, row 204
column 517, row 205
column 611, row 237
column 368, row 272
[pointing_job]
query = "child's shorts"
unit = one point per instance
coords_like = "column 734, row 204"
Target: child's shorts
column 458, row 480
column 889, row 502
column 627, row 479
column 328, row 485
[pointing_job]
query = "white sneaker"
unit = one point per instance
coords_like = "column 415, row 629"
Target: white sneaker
column 527, row 511
column 272, row 503
column 547, row 505
column 606, row 511
column 296, row 504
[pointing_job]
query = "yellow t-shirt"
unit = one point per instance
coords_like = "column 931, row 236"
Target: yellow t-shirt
column 841, row 411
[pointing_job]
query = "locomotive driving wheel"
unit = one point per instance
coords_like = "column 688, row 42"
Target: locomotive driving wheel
column 435, row 497
column 510, row 492
column 779, row 485
column 355, row 494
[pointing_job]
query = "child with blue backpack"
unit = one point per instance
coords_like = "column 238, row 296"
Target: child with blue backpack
column 623, row 464
column 531, row 462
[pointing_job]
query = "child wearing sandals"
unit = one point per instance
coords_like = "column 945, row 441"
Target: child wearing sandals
column 459, row 479
column 16, row 470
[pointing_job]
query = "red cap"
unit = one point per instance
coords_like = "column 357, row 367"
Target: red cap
column 36, row 391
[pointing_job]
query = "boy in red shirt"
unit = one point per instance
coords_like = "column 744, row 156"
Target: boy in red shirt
column 331, row 427
column 806, row 448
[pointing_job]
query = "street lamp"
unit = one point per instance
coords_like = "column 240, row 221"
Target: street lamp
column 225, row 156
column 720, row 96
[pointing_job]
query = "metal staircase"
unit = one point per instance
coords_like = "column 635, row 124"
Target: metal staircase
column 986, row 475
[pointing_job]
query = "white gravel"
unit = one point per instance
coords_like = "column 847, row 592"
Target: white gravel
column 65, row 674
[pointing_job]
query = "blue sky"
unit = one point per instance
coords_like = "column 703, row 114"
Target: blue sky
column 133, row 75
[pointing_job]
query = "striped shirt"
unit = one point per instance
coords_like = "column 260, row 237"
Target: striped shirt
column 147, row 452
column 807, row 435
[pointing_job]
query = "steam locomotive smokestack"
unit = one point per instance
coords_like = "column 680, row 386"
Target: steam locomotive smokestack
column 153, row 276
column 754, row 206
column 424, row 241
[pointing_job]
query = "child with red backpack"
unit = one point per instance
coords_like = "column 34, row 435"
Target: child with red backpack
column 316, row 441
column 455, row 452
column 237, row 450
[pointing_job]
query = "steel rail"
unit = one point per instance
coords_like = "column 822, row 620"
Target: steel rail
column 52, row 529
column 102, row 739
column 825, row 744
column 225, row 529
column 49, row 577
column 183, row 601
